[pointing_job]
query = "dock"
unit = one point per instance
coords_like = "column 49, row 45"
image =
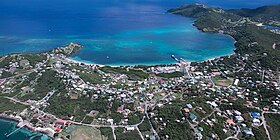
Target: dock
column 20, row 125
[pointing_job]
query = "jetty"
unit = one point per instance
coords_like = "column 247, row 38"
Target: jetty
column 20, row 125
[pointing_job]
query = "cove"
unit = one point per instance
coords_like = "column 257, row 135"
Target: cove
column 7, row 126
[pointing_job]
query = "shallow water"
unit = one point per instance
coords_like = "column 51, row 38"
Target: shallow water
column 23, row 134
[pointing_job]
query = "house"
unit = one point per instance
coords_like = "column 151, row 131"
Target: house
column 2, row 81
column 228, row 112
column 186, row 110
column 256, row 122
column 130, row 128
column 200, row 129
column 255, row 115
column 189, row 106
column 236, row 82
column 265, row 109
column 248, row 132
column 237, row 113
column 198, row 136
column 239, row 118
column 111, row 121
column 230, row 122
column 192, row 117
column 58, row 130
column 26, row 89
column 60, row 122
column 213, row 104
column 152, row 137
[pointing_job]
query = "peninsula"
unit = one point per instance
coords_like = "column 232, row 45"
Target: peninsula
column 244, row 25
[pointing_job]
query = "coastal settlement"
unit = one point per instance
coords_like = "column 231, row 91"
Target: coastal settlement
column 231, row 97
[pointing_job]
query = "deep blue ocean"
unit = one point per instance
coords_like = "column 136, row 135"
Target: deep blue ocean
column 114, row 32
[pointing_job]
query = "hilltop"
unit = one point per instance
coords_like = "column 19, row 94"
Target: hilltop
column 268, row 14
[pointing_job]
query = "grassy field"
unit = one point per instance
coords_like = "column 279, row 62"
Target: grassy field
column 107, row 132
column 171, row 75
column 131, row 73
column 86, row 133
column 273, row 122
column 93, row 78
column 128, row 135
column 259, row 133
column 222, row 81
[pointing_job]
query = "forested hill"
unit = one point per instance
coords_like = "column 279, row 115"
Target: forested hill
column 259, row 43
column 265, row 13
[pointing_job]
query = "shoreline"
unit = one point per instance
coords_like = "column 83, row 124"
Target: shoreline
column 8, row 118
column 72, row 60
column 18, row 122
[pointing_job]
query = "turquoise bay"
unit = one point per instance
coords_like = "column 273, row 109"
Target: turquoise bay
column 155, row 46
column 23, row 134
column 147, row 46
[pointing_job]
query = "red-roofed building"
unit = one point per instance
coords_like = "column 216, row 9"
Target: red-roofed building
column 265, row 109
column 58, row 129
column 186, row 110
column 142, row 110
column 230, row 122
column 60, row 122
column 68, row 123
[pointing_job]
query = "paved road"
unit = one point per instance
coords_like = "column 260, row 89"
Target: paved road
column 17, row 101
column 140, row 133
column 149, row 119
column 265, row 126
column 114, row 135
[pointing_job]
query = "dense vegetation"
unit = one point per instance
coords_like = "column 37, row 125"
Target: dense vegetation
column 5, row 105
column 47, row 82
column 5, row 61
column 273, row 121
column 170, row 113
column 237, row 105
column 216, row 128
column 65, row 107
column 259, row 134
column 107, row 132
column 265, row 13
column 145, row 126
column 134, row 118
column 34, row 58
column 6, row 74
column 129, row 135
column 114, row 114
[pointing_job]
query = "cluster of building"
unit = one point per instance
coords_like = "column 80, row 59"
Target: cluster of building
column 157, row 92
